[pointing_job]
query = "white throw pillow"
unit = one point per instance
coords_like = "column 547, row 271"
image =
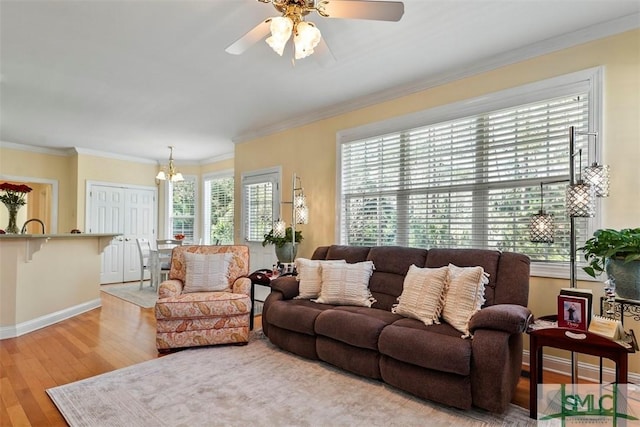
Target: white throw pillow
column 347, row 284
column 423, row 293
column 207, row 272
column 464, row 297
column 310, row 276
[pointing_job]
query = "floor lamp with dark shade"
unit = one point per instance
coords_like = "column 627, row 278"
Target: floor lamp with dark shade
column 580, row 203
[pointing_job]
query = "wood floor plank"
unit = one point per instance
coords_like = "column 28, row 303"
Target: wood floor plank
column 114, row 336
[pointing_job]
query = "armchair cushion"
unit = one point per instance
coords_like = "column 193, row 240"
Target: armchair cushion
column 207, row 272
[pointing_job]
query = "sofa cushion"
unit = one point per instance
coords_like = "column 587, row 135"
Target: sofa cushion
column 310, row 276
column 207, row 272
column 295, row 315
column 437, row 347
column 423, row 294
column 351, row 254
column 392, row 264
column 364, row 325
column 202, row 304
column 465, row 296
column 346, row 284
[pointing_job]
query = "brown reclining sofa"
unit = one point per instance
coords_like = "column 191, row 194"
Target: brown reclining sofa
column 433, row 362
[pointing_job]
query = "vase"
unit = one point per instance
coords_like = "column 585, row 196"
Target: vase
column 626, row 276
column 286, row 253
column 12, row 228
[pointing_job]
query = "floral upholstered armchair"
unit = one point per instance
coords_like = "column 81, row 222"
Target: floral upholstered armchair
column 207, row 298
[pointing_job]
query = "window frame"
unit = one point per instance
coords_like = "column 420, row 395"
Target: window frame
column 586, row 80
column 273, row 175
column 169, row 207
column 206, row 205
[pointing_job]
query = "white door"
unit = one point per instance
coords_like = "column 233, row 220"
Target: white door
column 138, row 223
column 107, row 216
column 130, row 212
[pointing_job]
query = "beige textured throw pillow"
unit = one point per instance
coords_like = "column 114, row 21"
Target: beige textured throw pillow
column 464, row 296
column 207, row 272
column 423, row 294
column 347, row 284
column 310, row 276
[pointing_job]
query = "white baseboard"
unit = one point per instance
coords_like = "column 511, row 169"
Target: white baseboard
column 47, row 320
column 586, row 371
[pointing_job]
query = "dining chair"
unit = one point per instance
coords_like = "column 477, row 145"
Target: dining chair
column 146, row 261
column 164, row 248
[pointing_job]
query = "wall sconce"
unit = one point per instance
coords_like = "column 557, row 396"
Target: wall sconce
column 299, row 210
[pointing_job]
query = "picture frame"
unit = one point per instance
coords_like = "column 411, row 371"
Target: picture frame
column 573, row 312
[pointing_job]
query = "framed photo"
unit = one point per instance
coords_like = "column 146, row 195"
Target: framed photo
column 573, row 312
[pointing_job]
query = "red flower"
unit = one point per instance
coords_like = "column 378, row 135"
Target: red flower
column 14, row 194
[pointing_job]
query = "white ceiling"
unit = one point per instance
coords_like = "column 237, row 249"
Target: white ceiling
column 132, row 77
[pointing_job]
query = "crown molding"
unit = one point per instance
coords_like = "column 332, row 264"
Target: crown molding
column 63, row 152
column 218, row 158
column 108, row 155
column 584, row 35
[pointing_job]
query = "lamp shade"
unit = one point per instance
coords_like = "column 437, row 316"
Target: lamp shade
column 279, row 228
column 306, row 38
column 302, row 214
column 541, row 227
column 177, row 177
column 161, row 176
column 281, row 28
column 598, row 177
column 580, row 200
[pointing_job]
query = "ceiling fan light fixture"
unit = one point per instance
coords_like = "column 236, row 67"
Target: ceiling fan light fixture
column 306, row 38
column 281, row 28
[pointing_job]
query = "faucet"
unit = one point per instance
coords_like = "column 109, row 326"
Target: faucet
column 24, row 226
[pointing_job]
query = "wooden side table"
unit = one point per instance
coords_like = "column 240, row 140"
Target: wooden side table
column 576, row 341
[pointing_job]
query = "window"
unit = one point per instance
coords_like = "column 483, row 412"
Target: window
column 261, row 196
column 182, row 208
column 218, row 209
column 470, row 180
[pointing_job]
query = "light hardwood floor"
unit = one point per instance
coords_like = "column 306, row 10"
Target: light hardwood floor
column 116, row 335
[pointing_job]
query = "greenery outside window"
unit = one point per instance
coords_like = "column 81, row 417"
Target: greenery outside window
column 218, row 209
column 182, row 208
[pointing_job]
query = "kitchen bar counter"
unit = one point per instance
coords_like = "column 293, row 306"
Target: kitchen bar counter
column 45, row 278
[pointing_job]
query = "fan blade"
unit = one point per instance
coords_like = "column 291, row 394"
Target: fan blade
column 258, row 32
column 376, row 10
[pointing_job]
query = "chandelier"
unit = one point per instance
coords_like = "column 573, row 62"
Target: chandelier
column 306, row 35
column 169, row 173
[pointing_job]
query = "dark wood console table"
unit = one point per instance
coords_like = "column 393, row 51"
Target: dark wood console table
column 575, row 341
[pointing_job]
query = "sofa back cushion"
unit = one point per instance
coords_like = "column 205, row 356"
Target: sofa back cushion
column 508, row 271
column 391, row 265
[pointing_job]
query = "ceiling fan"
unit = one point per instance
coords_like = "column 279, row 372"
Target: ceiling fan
column 306, row 36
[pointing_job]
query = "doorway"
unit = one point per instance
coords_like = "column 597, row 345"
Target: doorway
column 127, row 210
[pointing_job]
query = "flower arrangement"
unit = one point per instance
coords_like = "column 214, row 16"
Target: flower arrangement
column 14, row 194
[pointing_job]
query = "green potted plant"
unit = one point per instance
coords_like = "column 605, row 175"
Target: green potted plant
column 616, row 252
column 285, row 250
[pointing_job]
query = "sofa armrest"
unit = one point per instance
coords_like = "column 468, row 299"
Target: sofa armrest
column 242, row 285
column 287, row 286
column 510, row 318
column 170, row 288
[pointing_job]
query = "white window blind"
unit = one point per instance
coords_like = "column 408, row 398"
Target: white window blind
column 471, row 182
column 182, row 208
column 260, row 205
column 218, row 205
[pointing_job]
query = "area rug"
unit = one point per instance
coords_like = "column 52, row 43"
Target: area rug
column 145, row 297
column 256, row 384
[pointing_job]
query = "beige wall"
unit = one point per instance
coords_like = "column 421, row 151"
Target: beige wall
column 45, row 166
column 311, row 150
